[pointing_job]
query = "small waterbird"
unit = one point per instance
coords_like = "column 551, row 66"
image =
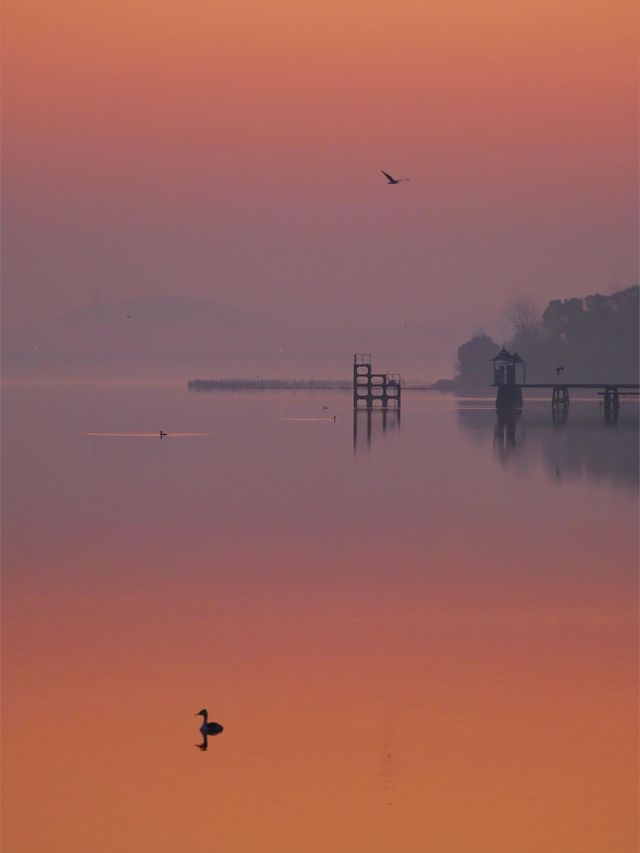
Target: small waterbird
column 391, row 179
column 208, row 728
column 162, row 434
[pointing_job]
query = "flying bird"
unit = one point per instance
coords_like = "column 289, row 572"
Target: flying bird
column 392, row 180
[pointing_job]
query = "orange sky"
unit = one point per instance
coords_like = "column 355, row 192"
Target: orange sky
column 232, row 150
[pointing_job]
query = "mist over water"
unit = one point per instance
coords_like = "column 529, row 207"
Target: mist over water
column 418, row 634
column 38, row 367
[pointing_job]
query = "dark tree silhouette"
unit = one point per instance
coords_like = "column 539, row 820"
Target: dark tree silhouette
column 595, row 338
column 473, row 361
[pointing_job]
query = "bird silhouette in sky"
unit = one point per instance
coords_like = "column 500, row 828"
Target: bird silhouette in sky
column 391, row 179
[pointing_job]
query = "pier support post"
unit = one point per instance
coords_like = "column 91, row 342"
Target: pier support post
column 560, row 396
column 611, row 398
column 611, row 404
column 509, row 397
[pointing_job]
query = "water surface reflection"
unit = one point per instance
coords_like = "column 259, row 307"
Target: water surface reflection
column 575, row 442
column 370, row 422
column 425, row 647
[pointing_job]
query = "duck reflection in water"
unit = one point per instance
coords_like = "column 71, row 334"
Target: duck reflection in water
column 207, row 729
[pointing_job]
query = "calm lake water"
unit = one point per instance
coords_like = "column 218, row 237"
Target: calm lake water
column 423, row 637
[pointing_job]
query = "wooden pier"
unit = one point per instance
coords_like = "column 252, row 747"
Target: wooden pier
column 506, row 367
column 611, row 391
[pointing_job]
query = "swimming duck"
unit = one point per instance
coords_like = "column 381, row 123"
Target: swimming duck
column 208, row 728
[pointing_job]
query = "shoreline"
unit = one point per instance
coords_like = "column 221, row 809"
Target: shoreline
column 258, row 384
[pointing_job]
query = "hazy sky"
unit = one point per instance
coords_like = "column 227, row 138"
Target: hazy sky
column 231, row 149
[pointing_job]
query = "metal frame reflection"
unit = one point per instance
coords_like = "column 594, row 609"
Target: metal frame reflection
column 377, row 420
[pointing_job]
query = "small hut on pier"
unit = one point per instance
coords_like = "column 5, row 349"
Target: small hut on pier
column 508, row 368
column 509, row 374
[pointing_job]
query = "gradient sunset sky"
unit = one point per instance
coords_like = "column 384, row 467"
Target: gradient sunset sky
column 232, row 150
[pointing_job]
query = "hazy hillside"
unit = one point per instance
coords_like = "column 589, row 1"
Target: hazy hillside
column 191, row 326
column 157, row 325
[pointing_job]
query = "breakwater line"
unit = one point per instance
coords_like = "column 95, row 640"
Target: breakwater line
column 259, row 384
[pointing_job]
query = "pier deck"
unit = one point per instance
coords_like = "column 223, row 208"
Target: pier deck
column 593, row 385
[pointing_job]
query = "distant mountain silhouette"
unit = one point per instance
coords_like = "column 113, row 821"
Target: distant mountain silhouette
column 162, row 325
column 175, row 325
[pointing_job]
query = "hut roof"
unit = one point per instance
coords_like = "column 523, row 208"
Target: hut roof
column 504, row 355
